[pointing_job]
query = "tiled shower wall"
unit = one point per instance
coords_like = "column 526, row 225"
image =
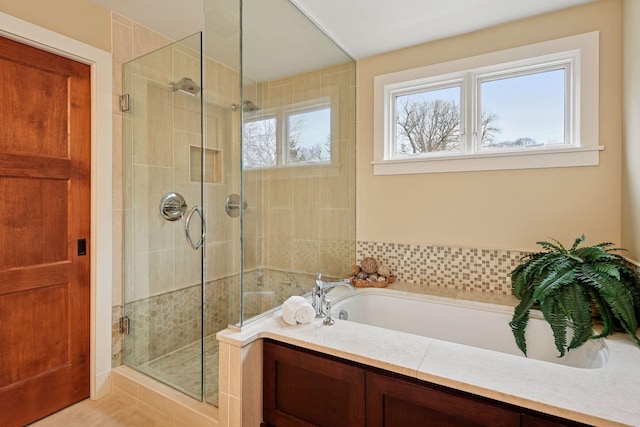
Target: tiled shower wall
column 302, row 219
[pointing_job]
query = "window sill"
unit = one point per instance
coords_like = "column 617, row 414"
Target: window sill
column 315, row 170
column 551, row 158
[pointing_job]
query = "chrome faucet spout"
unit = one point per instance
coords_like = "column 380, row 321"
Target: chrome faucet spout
column 321, row 284
column 320, row 300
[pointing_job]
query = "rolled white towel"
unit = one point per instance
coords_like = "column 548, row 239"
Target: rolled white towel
column 305, row 313
column 296, row 310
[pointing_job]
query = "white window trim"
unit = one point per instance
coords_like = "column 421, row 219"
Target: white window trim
column 297, row 170
column 585, row 101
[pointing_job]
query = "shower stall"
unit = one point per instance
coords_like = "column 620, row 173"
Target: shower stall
column 239, row 182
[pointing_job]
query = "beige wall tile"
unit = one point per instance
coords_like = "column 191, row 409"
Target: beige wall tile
column 235, row 372
column 151, row 231
column 146, row 41
column 235, row 412
column 252, row 389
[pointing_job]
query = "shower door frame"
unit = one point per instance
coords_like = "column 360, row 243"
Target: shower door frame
column 177, row 231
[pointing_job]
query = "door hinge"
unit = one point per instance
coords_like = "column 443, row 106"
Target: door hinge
column 124, row 325
column 124, row 102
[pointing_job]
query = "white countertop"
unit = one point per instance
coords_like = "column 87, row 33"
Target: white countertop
column 607, row 396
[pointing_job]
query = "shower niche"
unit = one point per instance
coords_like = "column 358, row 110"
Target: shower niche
column 211, row 158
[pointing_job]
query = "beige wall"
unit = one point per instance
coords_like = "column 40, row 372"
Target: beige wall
column 81, row 20
column 498, row 209
column 631, row 128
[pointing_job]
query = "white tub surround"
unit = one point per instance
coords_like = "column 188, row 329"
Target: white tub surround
column 605, row 396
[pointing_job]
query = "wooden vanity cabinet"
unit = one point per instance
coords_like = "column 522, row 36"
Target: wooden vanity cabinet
column 307, row 389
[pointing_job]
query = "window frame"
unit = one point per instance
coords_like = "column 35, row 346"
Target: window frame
column 282, row 131
column 579, row 54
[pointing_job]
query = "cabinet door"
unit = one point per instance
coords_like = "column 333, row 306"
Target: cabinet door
column 529, row 420
column 303, row 389
column 392, row 402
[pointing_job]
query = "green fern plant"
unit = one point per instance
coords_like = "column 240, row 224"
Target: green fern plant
column 567, row 283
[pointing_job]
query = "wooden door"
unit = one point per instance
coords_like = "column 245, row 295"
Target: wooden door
column 44, row 219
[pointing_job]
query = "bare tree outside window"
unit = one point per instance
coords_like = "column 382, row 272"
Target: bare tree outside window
column 306, row 138
column 488, row 130
column 425, row 126
column 259, row 143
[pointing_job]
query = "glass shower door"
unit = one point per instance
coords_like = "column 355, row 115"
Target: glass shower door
column 163, row 217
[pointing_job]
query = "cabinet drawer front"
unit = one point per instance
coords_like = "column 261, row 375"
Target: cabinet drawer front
column 392, row 402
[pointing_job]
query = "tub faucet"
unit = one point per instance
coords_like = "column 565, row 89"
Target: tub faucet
column 319, row 298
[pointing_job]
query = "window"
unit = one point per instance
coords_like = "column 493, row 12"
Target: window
column 295, row 137
column 524, row 110
column 309, row 136
column 259, row 143
column 428, row 121
column 529, row 107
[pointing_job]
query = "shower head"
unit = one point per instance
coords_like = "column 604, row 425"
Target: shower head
column 185, row 85
column 247, row 107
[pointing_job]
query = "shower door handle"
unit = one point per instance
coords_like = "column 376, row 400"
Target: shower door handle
column 187, row 222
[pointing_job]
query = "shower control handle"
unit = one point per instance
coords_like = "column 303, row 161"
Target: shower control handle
column 187, row 222
column 172, row 206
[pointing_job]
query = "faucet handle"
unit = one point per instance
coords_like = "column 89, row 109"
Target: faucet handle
column 328, row 321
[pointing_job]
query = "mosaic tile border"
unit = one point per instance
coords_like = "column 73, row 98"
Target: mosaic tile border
column 469, row 269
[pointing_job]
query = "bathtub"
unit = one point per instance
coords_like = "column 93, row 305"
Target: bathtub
column 463, row 322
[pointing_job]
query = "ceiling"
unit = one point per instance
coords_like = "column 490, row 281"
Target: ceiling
column 361, row 28
column 368, row 27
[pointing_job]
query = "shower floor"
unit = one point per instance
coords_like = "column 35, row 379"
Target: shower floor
column 182, row 369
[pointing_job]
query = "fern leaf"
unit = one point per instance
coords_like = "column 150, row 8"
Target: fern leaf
column 576, row 305
column 520, row 320
column 562, row 274
column 605, row 314
column 577, row 242
column 557, row 247
column 557, row 319
column 609, row 269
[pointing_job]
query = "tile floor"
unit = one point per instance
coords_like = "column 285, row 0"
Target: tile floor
column 182, row 369
column 112, row 411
